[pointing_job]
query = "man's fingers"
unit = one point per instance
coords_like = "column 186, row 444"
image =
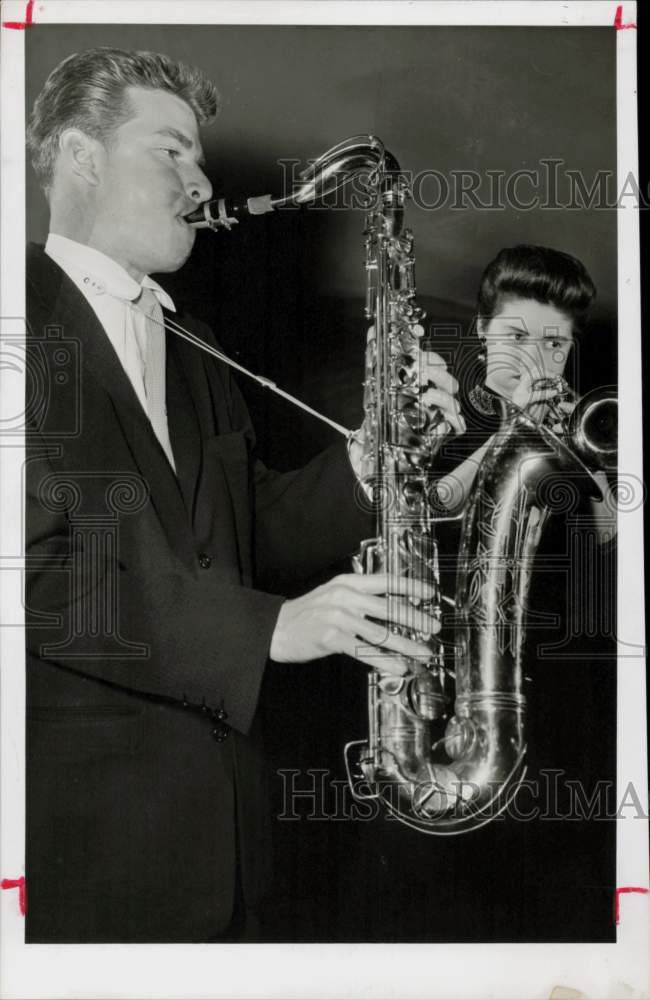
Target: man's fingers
column 404, row 614
column 379, row 635
column 384, row 662
column 397, row 612
column 387, row 583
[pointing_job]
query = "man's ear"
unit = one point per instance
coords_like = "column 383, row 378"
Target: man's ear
column 81, row 154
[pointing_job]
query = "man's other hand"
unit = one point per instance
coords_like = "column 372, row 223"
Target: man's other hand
column 344, row 616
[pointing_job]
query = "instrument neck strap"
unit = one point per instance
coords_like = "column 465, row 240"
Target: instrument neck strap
column 173, row 327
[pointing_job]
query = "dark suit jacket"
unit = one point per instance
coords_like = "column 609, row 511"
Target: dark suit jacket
column 147, row 641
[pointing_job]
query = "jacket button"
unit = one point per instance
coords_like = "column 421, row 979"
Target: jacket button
column 220, row 733
column 205, row 561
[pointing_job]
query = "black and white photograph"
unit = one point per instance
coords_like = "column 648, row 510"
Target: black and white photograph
column 323, row 549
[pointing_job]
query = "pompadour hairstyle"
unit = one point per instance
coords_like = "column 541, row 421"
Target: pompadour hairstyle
column 541, row 273
column 88, row 91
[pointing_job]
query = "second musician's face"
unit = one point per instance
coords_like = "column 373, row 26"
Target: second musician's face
column 525, row 340
column 149, row 178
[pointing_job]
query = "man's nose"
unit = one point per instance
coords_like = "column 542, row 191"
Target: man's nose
column 197, row 185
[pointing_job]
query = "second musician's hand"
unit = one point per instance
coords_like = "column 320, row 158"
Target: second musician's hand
column 536, row 401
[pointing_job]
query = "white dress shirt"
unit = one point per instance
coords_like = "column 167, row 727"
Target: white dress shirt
column 111, row 292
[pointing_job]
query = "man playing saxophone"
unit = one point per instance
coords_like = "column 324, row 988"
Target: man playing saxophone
column 146, row 530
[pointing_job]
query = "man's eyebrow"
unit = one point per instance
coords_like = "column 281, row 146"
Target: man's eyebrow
column 182, row 139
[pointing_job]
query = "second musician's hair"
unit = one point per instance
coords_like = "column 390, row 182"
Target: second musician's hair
column 87, row 91
column 541, row 273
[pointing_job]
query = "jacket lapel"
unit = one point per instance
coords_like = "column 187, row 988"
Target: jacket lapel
column 62, row 304
column 222, row 447
column 188, row 425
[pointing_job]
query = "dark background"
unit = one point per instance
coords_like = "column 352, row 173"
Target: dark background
column 285, row 294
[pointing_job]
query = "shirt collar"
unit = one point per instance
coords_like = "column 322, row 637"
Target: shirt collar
column 100, row 274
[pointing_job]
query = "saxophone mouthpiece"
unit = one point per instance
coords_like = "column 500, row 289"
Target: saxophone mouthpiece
column 220, row 213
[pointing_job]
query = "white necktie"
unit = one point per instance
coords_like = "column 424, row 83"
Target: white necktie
column 150, row 334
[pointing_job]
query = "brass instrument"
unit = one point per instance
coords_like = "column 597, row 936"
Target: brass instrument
column 402, row 437
column 457, row 779
column 438, row 772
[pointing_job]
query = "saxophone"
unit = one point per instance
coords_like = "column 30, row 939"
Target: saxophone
column 459, row 779
column 438, row 774
column 446, row 745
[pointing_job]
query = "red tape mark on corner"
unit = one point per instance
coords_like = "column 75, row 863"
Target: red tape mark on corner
column 17, row 883
column 617, row 898
column 618, row 23
column 21, row 25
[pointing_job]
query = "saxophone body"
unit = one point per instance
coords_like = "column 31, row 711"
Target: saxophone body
column 402, row 439
column 485, row 740
column 446, row 751
column 446, row 746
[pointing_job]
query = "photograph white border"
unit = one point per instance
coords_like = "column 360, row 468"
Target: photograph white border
column 327, row 971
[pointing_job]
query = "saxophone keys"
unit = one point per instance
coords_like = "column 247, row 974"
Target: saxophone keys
column 413, row 495
column 390, row 685
column 426, row 697
column 460, row 738
column 437, row 791
column 405, row 372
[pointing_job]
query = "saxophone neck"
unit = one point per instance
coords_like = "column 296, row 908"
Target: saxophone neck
column 359, row 154
column 355, row 156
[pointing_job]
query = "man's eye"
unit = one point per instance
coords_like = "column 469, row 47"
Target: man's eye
column 173, row 153
column 518, row 337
